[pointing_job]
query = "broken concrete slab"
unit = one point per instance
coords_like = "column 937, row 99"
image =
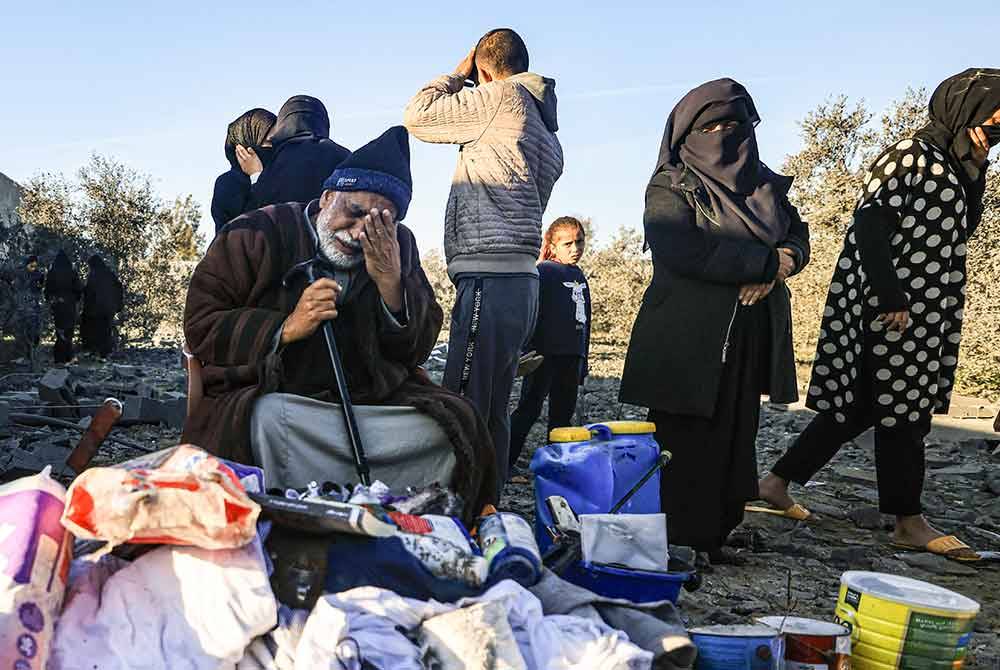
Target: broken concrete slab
column 992, row 478
column 125, row 371
column 54, row 389
column 856, row 474
column 137, row 409
column 957, row 471
column 17, row 462
column 938, row 565
column 174, row 412
column 867, row 517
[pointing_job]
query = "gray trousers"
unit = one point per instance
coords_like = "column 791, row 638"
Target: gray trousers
column 297, row 440
column 493, row 319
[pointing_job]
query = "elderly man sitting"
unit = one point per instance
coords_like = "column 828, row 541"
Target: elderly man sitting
column 269, row 384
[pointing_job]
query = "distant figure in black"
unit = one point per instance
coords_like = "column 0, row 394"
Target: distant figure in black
column 27, row 319
column 303, row 155
column 63, row 289
column 231, row 196
column 562, row 334
column 103, row 299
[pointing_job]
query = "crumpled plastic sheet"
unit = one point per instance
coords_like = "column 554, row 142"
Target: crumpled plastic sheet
column 383, row 626
column 172, row 607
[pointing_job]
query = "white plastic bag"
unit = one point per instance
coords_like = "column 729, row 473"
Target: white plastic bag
column 173, row 607
column 633, row 541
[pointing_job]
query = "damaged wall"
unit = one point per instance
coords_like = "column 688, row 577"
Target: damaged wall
column 10, row 196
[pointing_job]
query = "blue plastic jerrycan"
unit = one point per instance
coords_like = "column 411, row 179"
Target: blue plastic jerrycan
column 592, row 467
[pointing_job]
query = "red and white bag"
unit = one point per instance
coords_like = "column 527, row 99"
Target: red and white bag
column 182, row 495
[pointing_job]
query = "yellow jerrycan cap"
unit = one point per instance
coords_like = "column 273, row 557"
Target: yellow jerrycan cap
column 630, row 427
column 569, row 434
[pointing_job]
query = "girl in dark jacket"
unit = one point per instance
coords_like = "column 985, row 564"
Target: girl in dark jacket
column 714, row 329
column 562, row 334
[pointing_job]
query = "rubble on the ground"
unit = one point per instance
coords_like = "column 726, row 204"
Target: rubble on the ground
column 962, row 496
column 789, row 566
column 151, row 387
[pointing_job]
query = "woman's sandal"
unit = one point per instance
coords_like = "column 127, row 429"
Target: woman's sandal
column 948, row 546
column 796, row 512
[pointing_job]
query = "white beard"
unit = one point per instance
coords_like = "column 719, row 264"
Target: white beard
column 328, row 247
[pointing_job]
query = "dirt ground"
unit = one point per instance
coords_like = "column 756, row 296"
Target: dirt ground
column 847, row 533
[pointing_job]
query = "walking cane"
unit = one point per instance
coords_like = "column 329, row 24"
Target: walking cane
column 313, row 269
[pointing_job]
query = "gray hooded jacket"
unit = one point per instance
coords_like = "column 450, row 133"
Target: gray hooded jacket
column 509, row 159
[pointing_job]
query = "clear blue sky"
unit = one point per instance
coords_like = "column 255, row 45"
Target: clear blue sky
column 155, row 84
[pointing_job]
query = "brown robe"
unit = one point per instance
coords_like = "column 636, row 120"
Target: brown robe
column 236, row 304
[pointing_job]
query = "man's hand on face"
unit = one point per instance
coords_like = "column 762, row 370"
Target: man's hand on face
column 317, row 304
column 381, row 249
column 249, row 160
column 467, row 65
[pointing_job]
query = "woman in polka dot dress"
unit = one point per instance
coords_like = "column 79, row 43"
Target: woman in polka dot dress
column 889, row 339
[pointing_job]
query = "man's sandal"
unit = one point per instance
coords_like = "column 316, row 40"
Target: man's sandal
column 948, row 546
column 796, row 512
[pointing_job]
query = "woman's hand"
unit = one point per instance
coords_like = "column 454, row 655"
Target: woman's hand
column 980, row 145
column 786, row 263
column 249, row 161
column 751, row 294
column 897, row 321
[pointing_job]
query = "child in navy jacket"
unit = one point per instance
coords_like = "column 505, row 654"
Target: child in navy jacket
column 562, row 334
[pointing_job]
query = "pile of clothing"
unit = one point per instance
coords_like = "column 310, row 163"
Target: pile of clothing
column 183, row 560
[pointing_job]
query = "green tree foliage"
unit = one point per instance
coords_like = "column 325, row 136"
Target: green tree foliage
column 113, row 210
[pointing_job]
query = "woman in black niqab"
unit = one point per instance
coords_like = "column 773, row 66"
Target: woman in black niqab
column 231, row 195
column 746, row 196
column 103, row 298
column 714, row 329
column 304, row 154
column 62, row 291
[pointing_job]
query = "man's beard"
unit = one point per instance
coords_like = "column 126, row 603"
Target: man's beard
column 328, row 247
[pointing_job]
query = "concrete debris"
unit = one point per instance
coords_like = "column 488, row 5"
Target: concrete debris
column 938, row 565
column 868, row 518
column 54, row 389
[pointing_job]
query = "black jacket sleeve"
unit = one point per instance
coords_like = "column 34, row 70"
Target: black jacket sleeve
column 797, row 239
column 974, row 197
column 676, row 240
column 229, row 198
column 873, row 229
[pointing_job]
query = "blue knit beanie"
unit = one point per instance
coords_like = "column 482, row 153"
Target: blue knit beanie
column 382, row 166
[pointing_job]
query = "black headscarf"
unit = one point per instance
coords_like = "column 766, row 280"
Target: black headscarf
column 250, row 130
column 745, row 194
column 301, row 117
column 61, row 279
column 961, row 102
column 103, row 295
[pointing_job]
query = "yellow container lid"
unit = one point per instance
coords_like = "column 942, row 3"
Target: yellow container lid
column 630, row 427
column 569, row 434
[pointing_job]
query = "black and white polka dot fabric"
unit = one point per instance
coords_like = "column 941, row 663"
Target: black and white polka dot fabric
column 913, row 371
